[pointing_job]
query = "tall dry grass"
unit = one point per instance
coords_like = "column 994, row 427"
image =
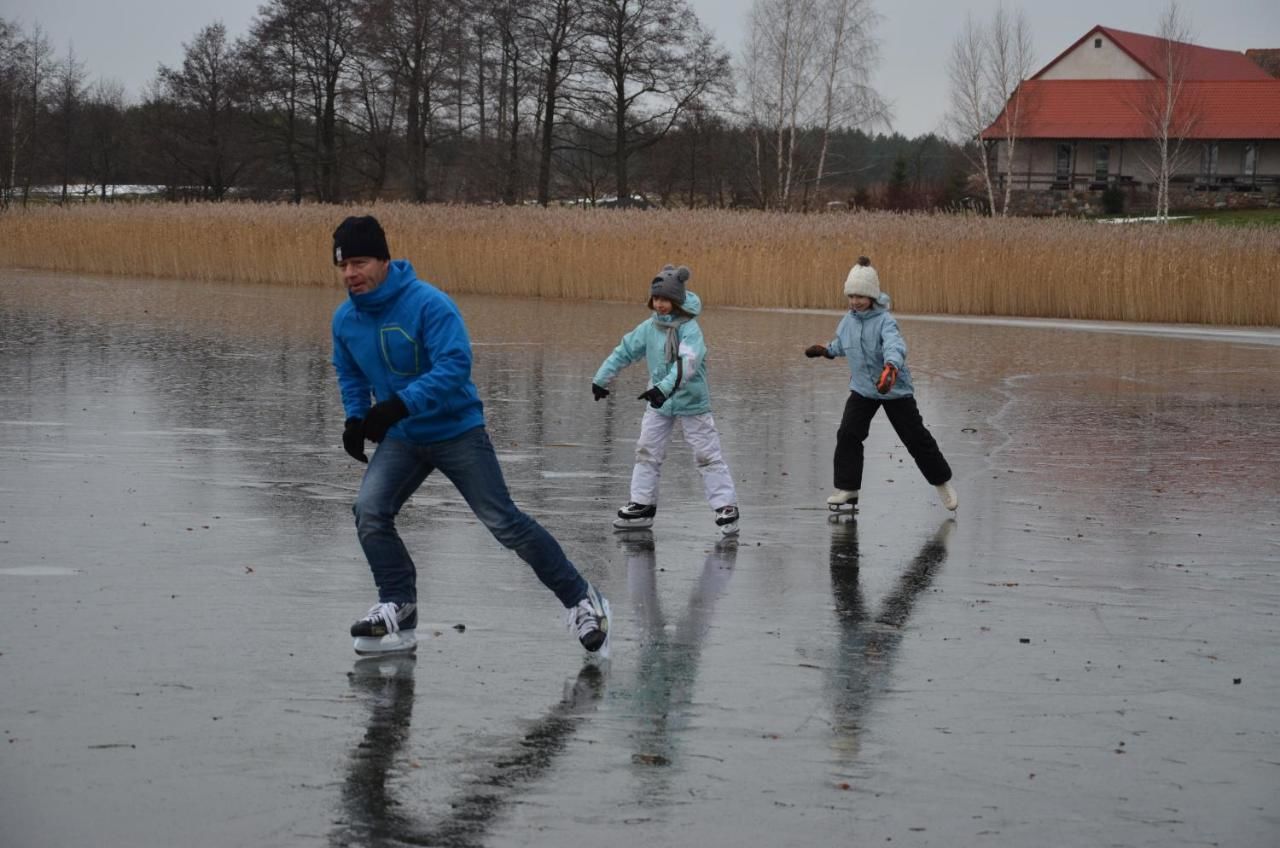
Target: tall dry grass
column 929, row 264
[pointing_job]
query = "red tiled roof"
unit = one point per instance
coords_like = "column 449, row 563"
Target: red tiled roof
column 1069, row 109
column 1203, row 63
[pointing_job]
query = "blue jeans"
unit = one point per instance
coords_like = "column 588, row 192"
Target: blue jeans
column 395, row 472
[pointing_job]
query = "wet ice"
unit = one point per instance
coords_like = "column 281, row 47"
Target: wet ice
column 178, row 568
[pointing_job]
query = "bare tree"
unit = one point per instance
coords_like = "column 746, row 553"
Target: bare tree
column 1166, row 110
column 206, row 92
column 420, row 42
column 10, row 96
column 272, row 53
column 849, row 54
column 32, row 68
column 105, row 122
column 783, row 70
column 68, row 82
column 987, row 66
column 376, row 97
column 649, row 61
column 555, row 35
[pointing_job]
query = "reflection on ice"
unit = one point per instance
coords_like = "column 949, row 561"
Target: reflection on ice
column 176, row 448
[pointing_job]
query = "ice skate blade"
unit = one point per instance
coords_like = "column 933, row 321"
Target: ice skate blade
column 632, row 523
column 842, row 507
column 401, row 642
column 729, row 529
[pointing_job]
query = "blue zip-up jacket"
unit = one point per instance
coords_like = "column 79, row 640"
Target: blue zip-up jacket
column 870, row 339
column 683, row 381
column 407, row 338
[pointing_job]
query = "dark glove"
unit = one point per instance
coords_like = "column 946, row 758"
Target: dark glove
column 655, row 397
column 600, row 392
column 353, row 439
column 888, row 377
column 382, row 417
column 814, row 351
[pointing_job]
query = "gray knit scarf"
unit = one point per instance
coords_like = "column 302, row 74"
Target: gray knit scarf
column 672, row 328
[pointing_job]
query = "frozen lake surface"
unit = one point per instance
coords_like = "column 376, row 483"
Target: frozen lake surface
column 1087, row 655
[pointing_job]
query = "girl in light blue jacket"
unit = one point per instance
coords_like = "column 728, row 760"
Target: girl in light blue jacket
column 671, row 344
column 869, row 337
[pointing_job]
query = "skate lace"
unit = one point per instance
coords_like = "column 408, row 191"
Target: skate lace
column 727, row 511
column 386, row 612
column 581, row 619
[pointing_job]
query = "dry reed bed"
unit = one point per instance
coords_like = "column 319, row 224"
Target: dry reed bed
column 929, row 264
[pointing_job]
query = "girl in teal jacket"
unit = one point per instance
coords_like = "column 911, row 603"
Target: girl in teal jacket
column 671, row 344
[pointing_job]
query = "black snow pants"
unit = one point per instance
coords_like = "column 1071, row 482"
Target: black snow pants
column 904, row 415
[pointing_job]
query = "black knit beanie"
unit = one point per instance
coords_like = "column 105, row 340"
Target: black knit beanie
column 359, row 236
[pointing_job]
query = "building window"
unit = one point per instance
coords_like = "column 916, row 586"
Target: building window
column 1097, row 42
column 1209, row 161
column 1062, row 166
column 1249, row 164
column 1101, row 162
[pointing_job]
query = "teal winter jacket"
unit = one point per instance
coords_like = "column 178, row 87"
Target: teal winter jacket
column 871, row 339
column 683, row 379
column 407, row 338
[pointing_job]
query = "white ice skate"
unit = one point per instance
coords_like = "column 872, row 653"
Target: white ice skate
column 635, row 516
column 947, row 492
column 843, row 500
column 727, row 520
column 388, row 628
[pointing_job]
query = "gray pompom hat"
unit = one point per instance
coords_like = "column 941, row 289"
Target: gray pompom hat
column 670, row 284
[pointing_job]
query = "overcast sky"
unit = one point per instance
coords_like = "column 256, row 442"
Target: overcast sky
column 126, row 40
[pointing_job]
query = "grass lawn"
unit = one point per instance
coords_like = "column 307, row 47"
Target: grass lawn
column 1241, row 217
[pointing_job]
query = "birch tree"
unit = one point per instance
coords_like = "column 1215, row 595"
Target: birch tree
column 1169, row 114
column 782, row 71
column 987, row 67
column 848, row 60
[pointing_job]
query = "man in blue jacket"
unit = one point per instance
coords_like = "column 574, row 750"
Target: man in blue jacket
column 403, row 360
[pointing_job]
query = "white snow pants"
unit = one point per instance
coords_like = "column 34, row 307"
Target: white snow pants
column 651, row 449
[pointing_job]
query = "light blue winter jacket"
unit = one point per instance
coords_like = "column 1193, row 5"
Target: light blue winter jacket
column 870, row 339
column 684, row 380
column 407, row 338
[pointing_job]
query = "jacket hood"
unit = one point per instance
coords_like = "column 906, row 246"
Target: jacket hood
column 400, row 275
column 692, row 305
column 883, row 301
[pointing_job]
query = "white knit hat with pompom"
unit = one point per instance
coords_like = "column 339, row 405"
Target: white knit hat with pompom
column 863, row 280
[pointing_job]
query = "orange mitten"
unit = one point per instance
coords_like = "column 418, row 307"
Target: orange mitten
column 888, row 377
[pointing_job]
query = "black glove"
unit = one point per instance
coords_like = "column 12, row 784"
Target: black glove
column 353, row 439
column 599, row 391
column 814, row 351
column 655, row 397
column 382, row 417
